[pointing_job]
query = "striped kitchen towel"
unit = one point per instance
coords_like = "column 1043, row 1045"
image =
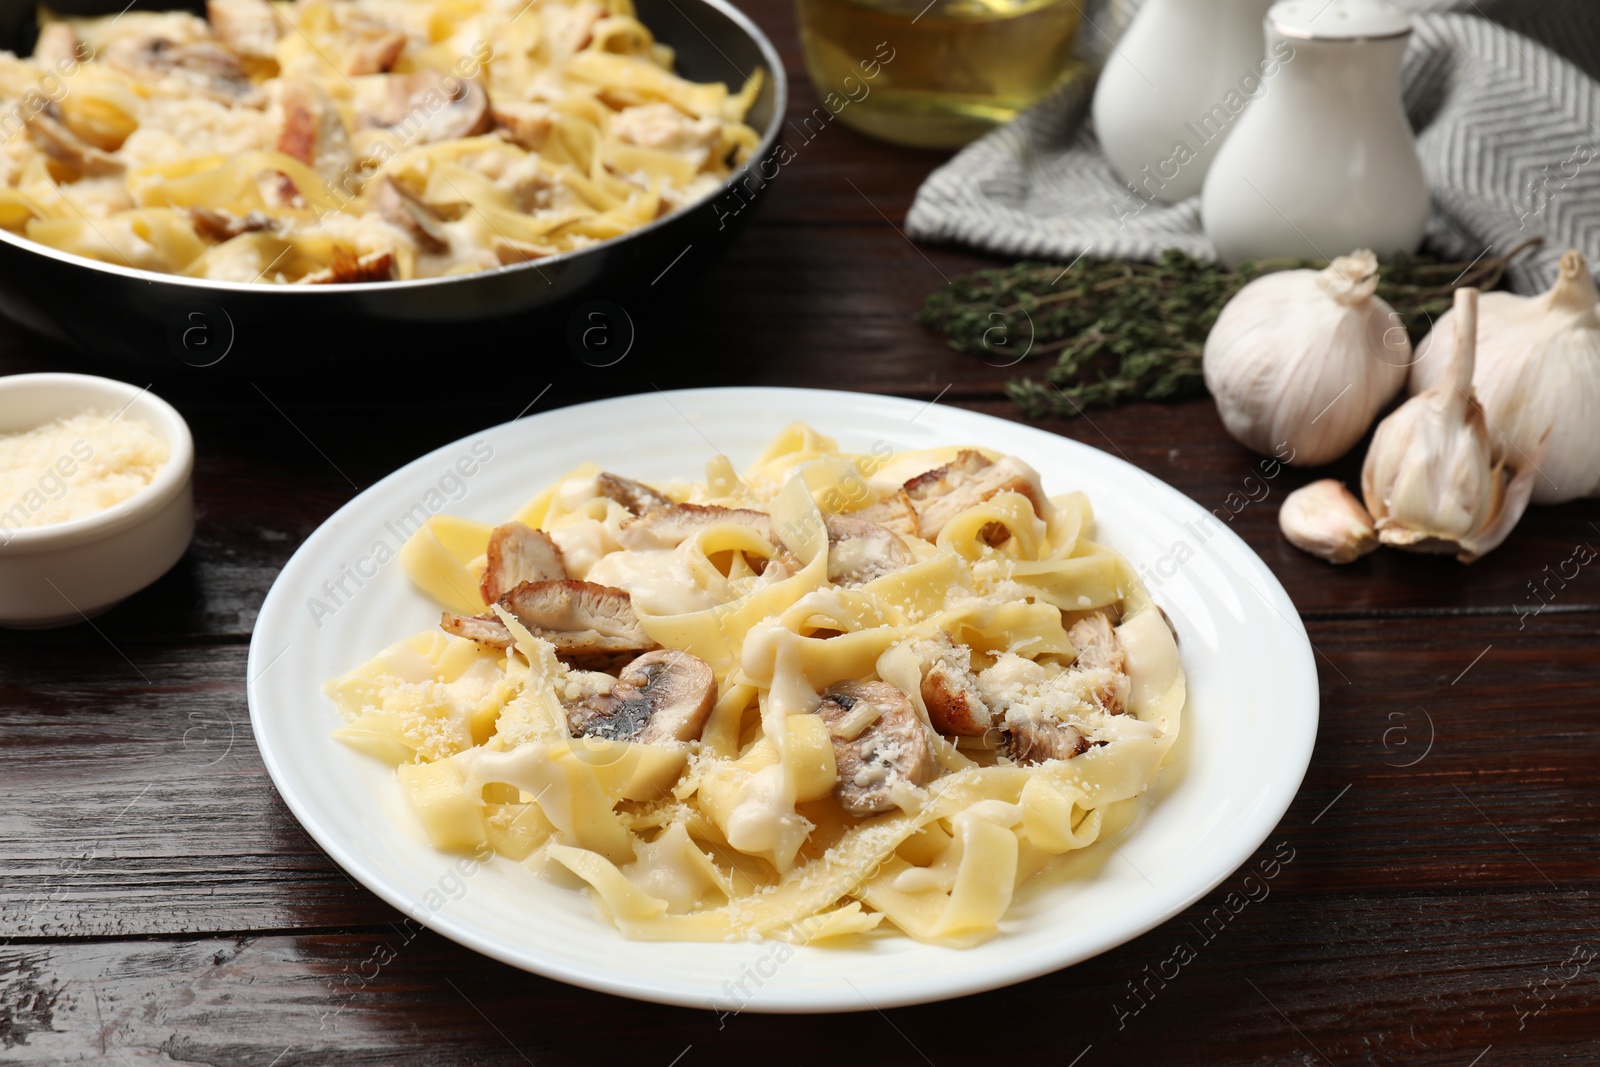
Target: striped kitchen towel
column 1507, row 121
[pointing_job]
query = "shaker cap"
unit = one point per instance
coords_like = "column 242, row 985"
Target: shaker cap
column 1338, row 20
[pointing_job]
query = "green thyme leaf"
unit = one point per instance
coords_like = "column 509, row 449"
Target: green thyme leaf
column 1120, row 331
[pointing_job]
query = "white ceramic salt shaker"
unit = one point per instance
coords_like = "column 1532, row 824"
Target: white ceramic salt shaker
column 1325, row 162
column 1173, row 88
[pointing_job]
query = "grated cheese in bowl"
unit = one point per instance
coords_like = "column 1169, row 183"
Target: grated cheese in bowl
column 75, row 466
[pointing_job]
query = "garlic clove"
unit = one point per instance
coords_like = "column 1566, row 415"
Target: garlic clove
column 1301, row 361
column 1326, row 520
column 1537, row 373
column 1433, row 479
column 1505, row 514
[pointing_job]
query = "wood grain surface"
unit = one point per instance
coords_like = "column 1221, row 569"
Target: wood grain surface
column 160, row 905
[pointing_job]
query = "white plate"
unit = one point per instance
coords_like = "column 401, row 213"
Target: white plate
column 1247, row 733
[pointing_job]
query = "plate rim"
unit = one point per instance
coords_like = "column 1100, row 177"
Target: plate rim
column 1268, row 815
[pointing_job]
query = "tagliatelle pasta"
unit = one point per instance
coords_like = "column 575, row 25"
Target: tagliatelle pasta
column 327, row 141
column 828, row 694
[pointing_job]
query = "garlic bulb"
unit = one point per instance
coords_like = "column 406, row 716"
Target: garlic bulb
column 1306, row 359
column 1325, row 519
column 1433, row 480
column 1538, row 370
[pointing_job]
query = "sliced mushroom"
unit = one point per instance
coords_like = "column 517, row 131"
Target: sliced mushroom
column 950, row 689
column 409, row 215
column 1030, row 741
column 671, row 526
column 665, row 695
column 635, row 496
column 205, row 67
column 859, row 551
column 249, row 27
column 896, row 512
column 310, row 128
column 348, row 268
column 965, row 482
column 1099, row 648
column 518, row 554
column 879, row 745
column 46, row 130
column 526, row 125
column 225, row 226
column 425, row 106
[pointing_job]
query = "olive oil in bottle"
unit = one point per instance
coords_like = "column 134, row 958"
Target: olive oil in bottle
column 935, row 74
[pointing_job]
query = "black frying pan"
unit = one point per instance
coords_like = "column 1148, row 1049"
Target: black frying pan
column 128, row 315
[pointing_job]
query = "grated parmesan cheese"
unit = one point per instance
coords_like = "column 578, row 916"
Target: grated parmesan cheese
column 1022, row 688
column 74, row 467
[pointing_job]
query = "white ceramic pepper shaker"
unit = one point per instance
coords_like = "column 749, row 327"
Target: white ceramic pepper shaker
column 1325, row 162
column 1173, row 88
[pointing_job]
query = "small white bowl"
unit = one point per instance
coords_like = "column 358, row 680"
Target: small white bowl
column 66, row 572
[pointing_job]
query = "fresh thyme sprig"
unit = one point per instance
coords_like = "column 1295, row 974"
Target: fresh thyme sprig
column 1121, row 330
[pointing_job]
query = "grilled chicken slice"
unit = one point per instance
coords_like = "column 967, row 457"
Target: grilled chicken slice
column 579, row 616
column 879, row 745
column 310, row 130
column 348, row 268
column 51, row 135
column 484, row 629
column 950, row 689
column 635, row 496
column 518, row 554
column 249, row 27
column 965, row 482
column 1099, row 648
column 1099, row 676
column 859, row 551
column 1030, row 741
column 575, row 617
column 665, row 695
column 896, row 512
column 205, row 67
column 671, row 526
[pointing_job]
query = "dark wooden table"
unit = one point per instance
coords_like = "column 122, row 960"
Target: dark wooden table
column 158, row 903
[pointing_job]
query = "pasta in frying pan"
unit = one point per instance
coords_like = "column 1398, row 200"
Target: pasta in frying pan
column 323, row 141
column 827, row 693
